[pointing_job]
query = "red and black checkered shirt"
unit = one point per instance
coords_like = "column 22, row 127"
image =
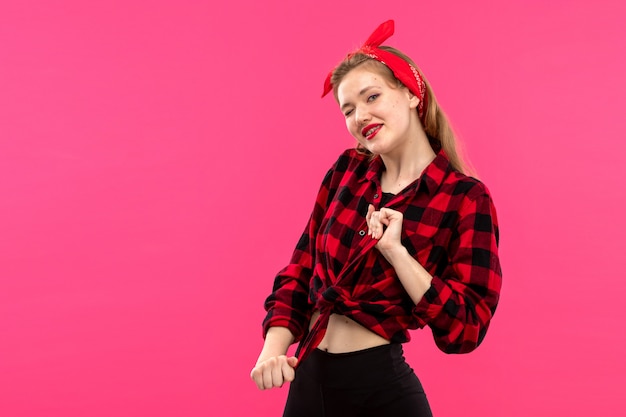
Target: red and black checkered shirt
column 449, row 226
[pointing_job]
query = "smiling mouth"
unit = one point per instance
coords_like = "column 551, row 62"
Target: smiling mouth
column 369, row 131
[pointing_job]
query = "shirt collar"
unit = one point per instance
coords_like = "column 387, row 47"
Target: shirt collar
column 374, row 169
column 432, row 176
column 435, row 173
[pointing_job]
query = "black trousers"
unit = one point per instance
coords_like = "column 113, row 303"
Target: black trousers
column 375, row 382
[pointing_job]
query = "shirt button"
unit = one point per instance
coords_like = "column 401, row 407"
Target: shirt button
column 361, row 233
column 375, row 195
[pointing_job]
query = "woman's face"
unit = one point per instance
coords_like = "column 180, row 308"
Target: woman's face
column 380, row 116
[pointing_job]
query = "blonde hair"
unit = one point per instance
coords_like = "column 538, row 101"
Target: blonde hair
column 436, row 125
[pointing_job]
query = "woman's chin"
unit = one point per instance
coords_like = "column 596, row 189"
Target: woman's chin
column 376, row 150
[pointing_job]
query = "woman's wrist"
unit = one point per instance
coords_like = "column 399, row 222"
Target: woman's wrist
column 395, row 254
column 414, row 278
column 277, row 341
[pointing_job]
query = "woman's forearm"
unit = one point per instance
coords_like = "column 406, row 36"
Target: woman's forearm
column 414, row 278
column 277, row 341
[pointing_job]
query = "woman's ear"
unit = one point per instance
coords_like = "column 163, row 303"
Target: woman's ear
column 413, row 99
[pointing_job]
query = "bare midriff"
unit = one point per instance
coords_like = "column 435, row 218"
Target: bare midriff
column 346, row 335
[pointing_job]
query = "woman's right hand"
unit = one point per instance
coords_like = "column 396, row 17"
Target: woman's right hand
column 274, row 371
column 274, row 368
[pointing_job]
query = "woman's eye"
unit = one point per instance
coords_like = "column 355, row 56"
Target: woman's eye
column 348, row 113
column 372, row 97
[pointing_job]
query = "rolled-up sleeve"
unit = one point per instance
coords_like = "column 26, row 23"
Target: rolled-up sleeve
column 461, row 301
column 288, row 304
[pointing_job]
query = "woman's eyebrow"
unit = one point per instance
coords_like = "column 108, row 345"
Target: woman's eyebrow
column 363, row 91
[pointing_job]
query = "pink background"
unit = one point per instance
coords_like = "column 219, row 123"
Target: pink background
column 158, row 160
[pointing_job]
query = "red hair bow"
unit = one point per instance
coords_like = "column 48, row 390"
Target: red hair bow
column 402, row 70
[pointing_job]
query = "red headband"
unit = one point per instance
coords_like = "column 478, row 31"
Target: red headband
column 402, row 70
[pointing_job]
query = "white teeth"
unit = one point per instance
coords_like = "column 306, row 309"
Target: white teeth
column 372, row 130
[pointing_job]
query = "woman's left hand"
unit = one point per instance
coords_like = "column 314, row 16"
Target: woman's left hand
column 389, row 238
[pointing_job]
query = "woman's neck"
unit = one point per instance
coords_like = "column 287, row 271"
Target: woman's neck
column 404, row 168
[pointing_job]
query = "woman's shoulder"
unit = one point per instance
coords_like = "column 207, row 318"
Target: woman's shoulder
column 470, row 187
column 350, row 160
column 351, row 157
column 349, row 165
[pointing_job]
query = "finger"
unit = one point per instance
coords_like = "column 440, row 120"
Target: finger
column 385, row 217
column 376, row 227
column 370, row 210
column 379, row 230
column 267, row 373
column 256, row 376
column 391, row 213
column 277, row 372
column 292, row 361
column 390, row 216
column 288, row 372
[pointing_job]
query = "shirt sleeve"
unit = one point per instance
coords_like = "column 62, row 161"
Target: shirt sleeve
column 288, row 304
column 460, row 303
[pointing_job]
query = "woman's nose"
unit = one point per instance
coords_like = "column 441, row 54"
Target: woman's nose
column 362, row 117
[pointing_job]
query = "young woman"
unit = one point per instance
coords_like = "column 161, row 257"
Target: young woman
column 399, row 238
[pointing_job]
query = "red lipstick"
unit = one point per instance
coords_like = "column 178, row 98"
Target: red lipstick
column 375, row 126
